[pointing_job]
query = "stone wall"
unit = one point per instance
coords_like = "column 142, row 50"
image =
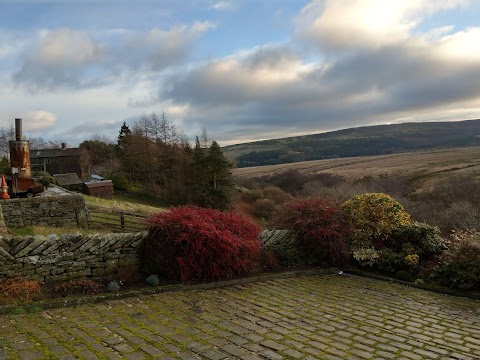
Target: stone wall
column 285, row 245
column 61, row 210
column 66, row 257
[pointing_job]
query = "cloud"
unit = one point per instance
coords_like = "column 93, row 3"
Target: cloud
column 251, row 76
column 222, row 5
column 86, row 127
column 87, row 130
column 6, row 46
column 460, row 46
column 347, row 24
column 61, row 58
column 267, row 89
column 67, row 46
column 346, row 63
column 36, row 121
column 157, row 49
column 72, row 59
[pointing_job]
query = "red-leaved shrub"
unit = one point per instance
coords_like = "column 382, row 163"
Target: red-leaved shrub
column 18, row 290
column 321, row 227
column 192, row 243
column 85, row 286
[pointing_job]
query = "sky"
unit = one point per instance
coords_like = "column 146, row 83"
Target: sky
column 244, row 70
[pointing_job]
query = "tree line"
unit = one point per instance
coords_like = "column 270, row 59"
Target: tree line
column 305, row 150
column 155, row 157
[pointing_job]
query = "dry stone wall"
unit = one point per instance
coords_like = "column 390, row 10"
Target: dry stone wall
column 61, row 210
column 77, row 256
column 67, row 257
column 286, row 246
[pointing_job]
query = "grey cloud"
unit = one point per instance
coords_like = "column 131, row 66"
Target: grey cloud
column 158, row 49
column 67, row 59
column 88, row 129
column 229, row 81
column 326, row 96
column 34, row 77
column 61, row 59
column 407, row 77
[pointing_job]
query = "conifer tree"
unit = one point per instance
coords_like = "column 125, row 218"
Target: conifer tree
column 199, row 174
column 212, row 176
column 219, row 175
column 123, row 147
column 123, row 137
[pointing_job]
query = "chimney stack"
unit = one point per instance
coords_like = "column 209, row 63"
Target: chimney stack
column 20, row 156
column 18, row 129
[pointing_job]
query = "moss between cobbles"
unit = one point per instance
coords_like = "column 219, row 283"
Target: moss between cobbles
column 226, row 323
column 429, row 287
column 165, row 346
column 117, row 331
column 96, row 298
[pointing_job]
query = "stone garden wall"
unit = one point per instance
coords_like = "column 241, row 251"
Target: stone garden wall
column 61, row 210
column 66, row 257
column 285, row 245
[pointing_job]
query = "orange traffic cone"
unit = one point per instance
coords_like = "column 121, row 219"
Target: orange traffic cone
column 4, row 187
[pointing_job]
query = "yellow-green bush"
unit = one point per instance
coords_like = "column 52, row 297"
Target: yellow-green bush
column 411, row 260
column 372, row 218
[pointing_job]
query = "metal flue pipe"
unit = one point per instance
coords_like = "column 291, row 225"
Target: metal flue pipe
column 18, row 129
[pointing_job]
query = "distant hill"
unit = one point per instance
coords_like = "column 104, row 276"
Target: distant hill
column 362, row 141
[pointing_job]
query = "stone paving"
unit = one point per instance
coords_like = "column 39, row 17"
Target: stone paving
column 309, row 317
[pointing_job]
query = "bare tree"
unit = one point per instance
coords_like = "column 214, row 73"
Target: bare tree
column 204, row 139
column 6, row 134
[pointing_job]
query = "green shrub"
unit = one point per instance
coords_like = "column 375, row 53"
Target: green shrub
column 5, row 167
column 424, row 239
column 404, row 275
column 120, row 182
column 153, row 280
column 113, row 287
column 366, row 256
column 408, row 245
column 18, row 311
column 44, row 178
column 459, row 265
column 372, row 218
column 390, row 260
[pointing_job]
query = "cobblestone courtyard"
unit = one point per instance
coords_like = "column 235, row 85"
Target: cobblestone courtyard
column 309, row 317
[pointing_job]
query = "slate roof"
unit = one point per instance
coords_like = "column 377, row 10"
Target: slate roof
column 67, row 179
column 96, row 184
column 54, row 153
